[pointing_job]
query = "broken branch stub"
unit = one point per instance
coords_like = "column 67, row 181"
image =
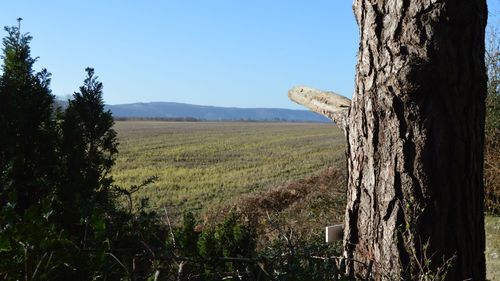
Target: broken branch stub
column 329, row 104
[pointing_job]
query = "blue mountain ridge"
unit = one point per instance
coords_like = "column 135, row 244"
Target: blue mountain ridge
column 211, row 113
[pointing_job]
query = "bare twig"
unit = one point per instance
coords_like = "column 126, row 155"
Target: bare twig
column 119, row 262
column 38, row 266
column 133, row 189
column 180, row 270
column 169, row 226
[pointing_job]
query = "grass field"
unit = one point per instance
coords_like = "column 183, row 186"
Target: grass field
column 200, row 164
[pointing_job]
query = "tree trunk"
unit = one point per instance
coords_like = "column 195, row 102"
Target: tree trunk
column 415, row 140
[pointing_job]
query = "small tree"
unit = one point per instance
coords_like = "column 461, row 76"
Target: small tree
column 89, row 146
column 27, row 146
column 29, row 167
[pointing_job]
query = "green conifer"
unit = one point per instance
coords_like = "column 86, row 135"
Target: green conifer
column 28, row 162
column 89, row 146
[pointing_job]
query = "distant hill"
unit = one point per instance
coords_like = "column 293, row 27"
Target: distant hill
column 211, row 113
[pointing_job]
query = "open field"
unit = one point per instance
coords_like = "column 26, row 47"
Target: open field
column 201, row 164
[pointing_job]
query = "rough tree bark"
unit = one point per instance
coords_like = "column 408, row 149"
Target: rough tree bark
column 415, row 139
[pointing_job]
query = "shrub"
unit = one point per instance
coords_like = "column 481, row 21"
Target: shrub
column 492, row 126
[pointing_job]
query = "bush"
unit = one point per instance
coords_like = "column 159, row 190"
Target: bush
column 492, row 126
column 59, row 219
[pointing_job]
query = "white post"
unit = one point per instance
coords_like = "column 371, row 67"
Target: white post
column 334, row 233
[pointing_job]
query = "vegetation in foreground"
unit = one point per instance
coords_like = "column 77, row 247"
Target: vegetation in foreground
column 492, row 229
column 492, row 126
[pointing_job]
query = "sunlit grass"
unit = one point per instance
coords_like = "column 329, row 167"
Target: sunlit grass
column 201, row 163
column 492, row 227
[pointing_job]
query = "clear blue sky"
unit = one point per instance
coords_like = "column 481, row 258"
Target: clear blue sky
column 217, row 52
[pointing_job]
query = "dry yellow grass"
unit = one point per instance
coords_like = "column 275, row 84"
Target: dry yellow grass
column 200, row 164
column 492, row 225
